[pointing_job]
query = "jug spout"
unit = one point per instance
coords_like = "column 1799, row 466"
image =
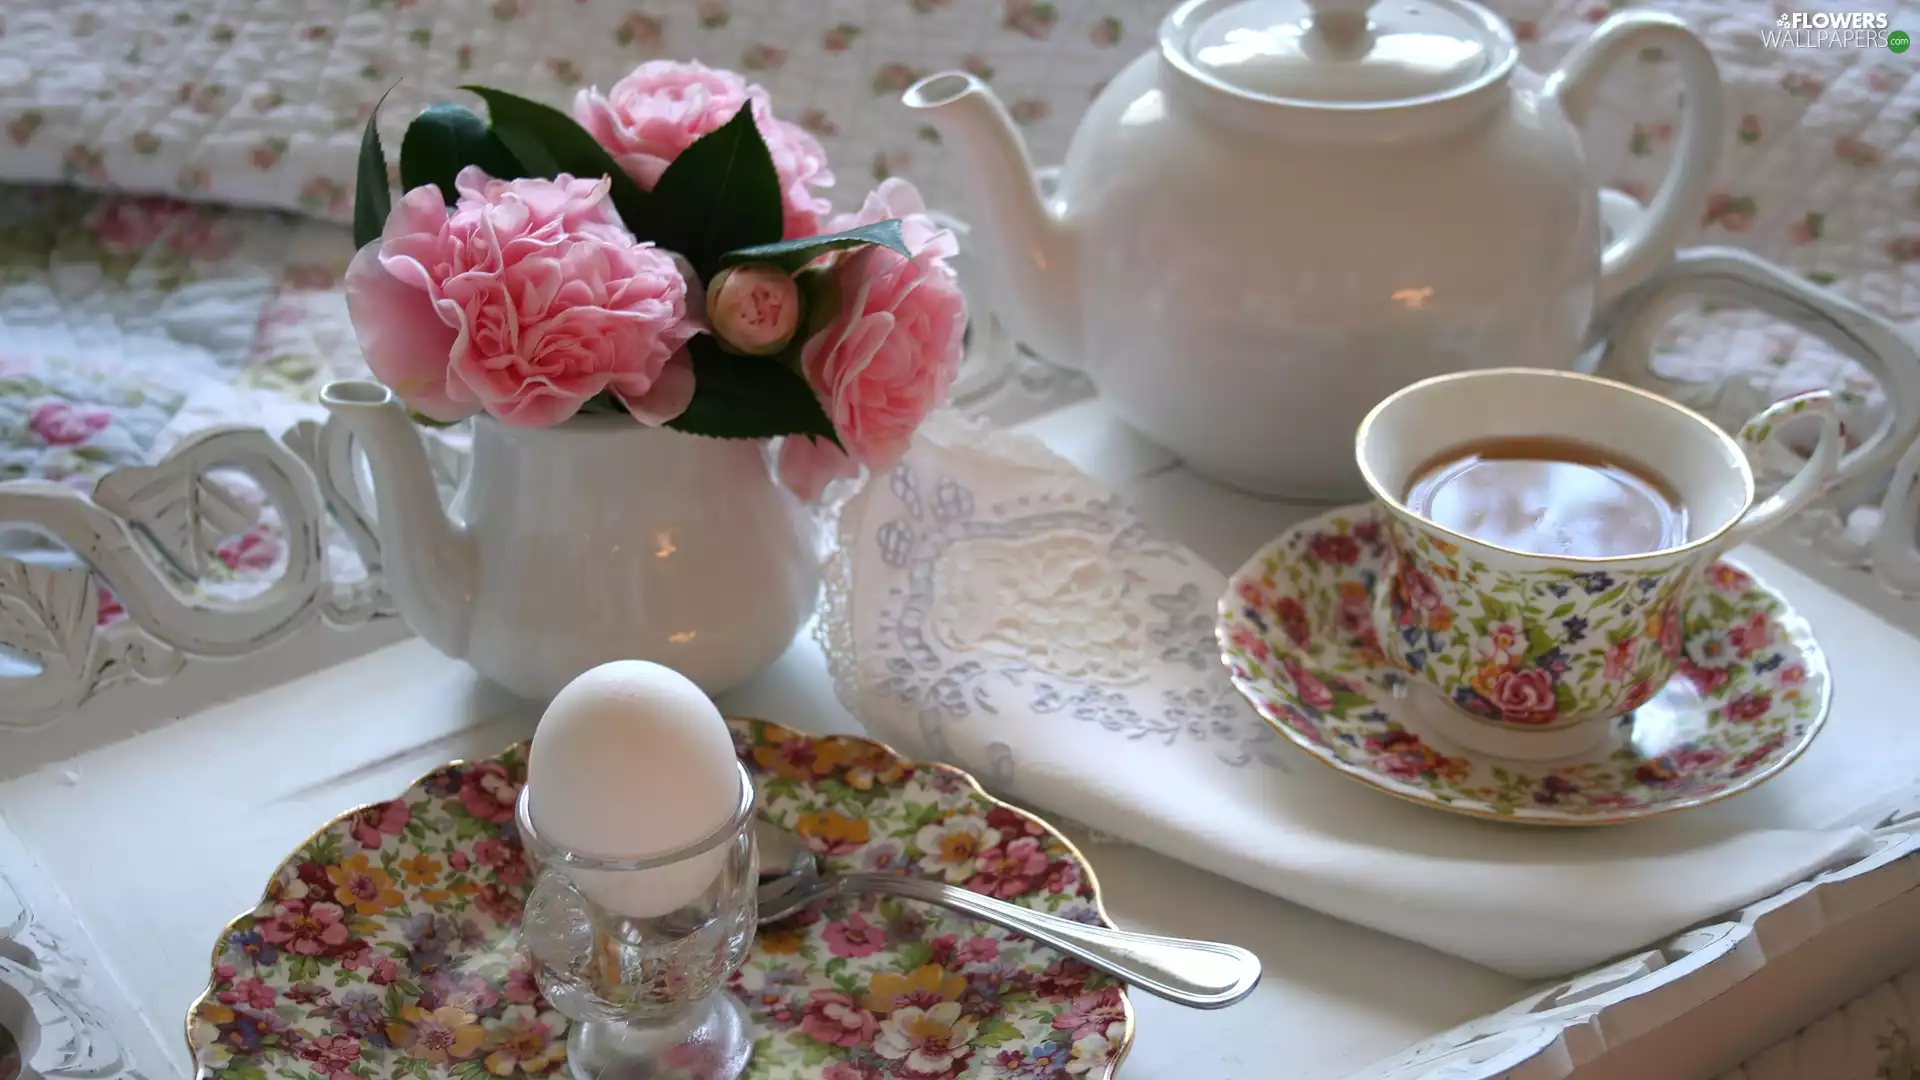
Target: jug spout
column 426, row 558
column 1027, row 249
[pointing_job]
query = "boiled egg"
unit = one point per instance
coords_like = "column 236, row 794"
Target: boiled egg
column 632, row 761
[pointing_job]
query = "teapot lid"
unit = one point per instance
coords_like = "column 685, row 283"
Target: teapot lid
column 1356, row 52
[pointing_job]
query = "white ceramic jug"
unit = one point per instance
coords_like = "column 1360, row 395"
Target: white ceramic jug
column 595, row 540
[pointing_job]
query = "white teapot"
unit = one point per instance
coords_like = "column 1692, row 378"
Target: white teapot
column 1294, row 207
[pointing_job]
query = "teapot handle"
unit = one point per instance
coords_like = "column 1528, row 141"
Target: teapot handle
column 1630, row 258
column 1739, row 277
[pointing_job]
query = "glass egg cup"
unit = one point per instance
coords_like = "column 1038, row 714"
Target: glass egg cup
column 646, row 992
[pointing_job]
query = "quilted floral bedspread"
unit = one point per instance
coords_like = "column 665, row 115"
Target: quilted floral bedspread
column 126, row 321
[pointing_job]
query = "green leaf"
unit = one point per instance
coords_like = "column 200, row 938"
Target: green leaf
column 720, row 195
column 372, row 199
column 1564, row 699
column 813, row 1053
column 602, row 402
column 445, row 139
column 748, row 397
column 912, row 955
column 995, row 1032
column 1562, row 611
column 791, row 255
column 546, row 142
column 1539, row 642
column 324, row 849
column 1345, row 701
column 920, row 814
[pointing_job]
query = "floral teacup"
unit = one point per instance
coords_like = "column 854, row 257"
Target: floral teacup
column 1541, row 650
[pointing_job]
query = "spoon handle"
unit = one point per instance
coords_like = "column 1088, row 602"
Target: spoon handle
column 1199, row 974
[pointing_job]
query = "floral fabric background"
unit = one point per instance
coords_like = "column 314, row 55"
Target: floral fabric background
column 127, row 323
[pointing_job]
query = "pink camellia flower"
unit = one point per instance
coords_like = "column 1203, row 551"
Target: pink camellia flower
column 753, row 309
column 889, row 356
column 652, row 115
column 525, row 300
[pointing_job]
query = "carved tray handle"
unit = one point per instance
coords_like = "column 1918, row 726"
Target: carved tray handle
column 148, row 532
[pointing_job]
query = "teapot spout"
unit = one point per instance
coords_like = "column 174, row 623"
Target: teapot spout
column 426, row 559
column 1027, row 249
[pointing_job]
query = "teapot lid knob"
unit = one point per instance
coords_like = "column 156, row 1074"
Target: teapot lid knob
column 1339, row 22
column 1347, row 51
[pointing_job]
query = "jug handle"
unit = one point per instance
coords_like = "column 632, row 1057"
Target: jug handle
column 1630, row 258
column 1735, row 276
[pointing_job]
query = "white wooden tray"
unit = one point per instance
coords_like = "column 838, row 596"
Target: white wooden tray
column 132, row 852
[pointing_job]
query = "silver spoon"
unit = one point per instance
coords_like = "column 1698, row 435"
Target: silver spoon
column 1198, row 974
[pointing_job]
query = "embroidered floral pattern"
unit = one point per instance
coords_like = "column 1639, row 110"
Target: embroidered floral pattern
column 1725, row 723
column 1064, row 602
column 385, row 946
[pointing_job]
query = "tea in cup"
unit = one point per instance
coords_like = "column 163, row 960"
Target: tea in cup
column 1546, row 526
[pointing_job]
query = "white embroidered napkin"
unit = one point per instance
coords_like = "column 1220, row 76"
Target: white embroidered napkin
column 992, row 606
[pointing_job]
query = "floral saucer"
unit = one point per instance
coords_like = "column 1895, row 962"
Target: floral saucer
column 1297, row 635
column 385, row 946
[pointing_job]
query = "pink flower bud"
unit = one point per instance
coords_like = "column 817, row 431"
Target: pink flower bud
column 754, row 308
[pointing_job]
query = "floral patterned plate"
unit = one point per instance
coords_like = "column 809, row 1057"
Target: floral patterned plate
column 385, row 946
column 1297, row 635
